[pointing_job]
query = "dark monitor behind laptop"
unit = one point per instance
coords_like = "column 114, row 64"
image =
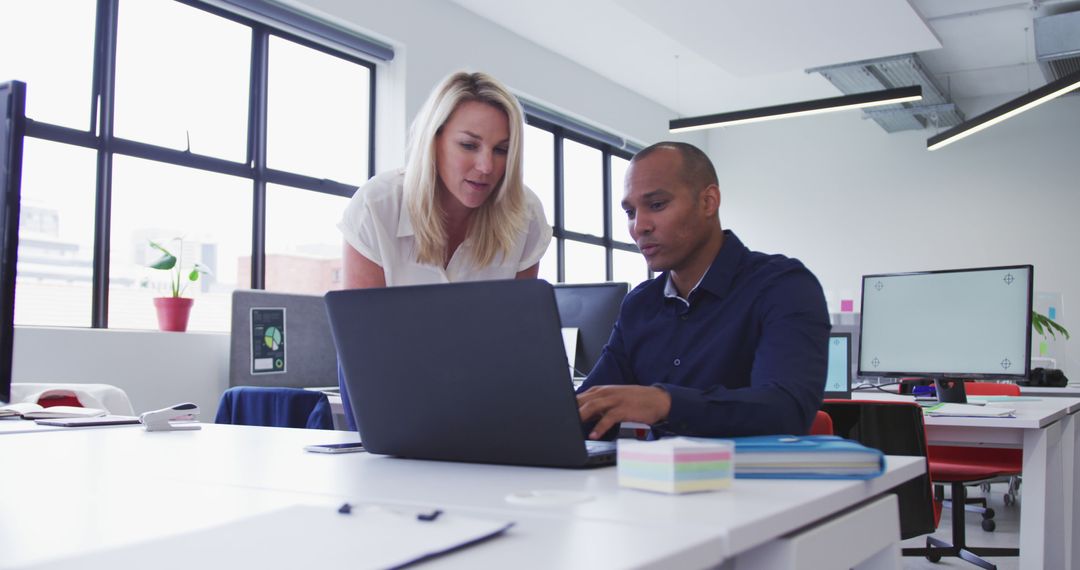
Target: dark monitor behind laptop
column 838, row 379
column 592, row 309
column 12, row 127
column 280, row 340
column 470, row 372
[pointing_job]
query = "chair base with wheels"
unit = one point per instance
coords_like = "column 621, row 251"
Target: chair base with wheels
column 936, row 549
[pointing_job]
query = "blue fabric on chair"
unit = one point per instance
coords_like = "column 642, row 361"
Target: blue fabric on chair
column 275, row 407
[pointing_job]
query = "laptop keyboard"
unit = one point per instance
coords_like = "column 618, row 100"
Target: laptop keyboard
column 593, row 447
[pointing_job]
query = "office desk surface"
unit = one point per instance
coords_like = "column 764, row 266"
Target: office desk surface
column 78, row 490
column 1070, row 391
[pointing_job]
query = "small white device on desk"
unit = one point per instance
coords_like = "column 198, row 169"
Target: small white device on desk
column 174, row 418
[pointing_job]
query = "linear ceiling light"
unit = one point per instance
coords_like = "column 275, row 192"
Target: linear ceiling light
column 1001, row 112
column 854, row 101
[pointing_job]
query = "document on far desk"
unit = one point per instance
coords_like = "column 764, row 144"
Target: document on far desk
column 966, row 410
column 300, row 535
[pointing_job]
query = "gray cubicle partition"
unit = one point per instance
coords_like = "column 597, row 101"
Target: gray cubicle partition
column 289, row 333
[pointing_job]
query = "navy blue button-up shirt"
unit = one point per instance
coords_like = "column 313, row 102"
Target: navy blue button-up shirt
column 747, row 355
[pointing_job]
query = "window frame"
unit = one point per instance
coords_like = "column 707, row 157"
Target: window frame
column 559, row 231
column 99, row 137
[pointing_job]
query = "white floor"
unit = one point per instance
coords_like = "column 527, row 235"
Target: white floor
column 1006, row 535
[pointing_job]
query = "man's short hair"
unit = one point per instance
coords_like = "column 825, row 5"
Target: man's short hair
column 697, row 170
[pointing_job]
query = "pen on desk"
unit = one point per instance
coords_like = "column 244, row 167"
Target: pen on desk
column 345, row 508
column 428, row 517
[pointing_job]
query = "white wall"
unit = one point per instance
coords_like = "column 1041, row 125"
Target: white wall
column 433, row 39
column 850, row 199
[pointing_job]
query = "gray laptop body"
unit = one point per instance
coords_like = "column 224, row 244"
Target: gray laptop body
column 470, row 372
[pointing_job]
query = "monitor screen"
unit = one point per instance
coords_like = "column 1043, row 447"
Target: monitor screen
column 592, row 309
column 12, row 127
column 838, row 378
column 962, row 323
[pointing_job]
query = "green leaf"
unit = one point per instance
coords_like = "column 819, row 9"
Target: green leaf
column 166, row 261
column 1054, row 326
column 1046, row 326
column 194, row 275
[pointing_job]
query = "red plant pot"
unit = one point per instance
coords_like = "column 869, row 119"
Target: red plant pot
column 173, row 312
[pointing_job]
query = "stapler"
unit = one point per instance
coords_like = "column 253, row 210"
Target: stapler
column 185, row 415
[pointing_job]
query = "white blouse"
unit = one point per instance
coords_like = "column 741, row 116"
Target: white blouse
column 377, row 224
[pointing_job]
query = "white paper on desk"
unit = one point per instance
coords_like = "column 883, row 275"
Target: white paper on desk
column 299, row 537
column 966, row 410
column 569, row 340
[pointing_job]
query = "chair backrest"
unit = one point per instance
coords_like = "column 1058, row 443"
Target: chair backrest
column 991, row 389
column 895, row 428
column 275, row 407
column 822, row 424
column 103, row 396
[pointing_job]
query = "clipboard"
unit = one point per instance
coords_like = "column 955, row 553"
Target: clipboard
column 293, row 537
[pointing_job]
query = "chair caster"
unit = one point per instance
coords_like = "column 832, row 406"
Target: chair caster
column 989, row 525
column 988, row 514
column 1009, row 500
column 935, row 558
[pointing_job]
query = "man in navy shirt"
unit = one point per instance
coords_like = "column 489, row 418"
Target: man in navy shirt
column 725, row 341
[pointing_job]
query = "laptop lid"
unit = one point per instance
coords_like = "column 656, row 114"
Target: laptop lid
column 470, row 372
column 838, row 379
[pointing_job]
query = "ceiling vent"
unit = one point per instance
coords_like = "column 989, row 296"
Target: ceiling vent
column 1057, row 45
column 934, row 110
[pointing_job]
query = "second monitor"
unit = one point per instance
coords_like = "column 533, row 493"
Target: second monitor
column 592, row 309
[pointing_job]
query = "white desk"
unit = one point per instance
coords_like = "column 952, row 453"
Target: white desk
column 120, row 485
column 1046, row 430
column 1070, row 391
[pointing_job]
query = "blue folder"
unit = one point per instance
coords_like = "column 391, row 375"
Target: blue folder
column 805, row 457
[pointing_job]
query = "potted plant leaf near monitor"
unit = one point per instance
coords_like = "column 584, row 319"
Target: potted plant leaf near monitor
column 1046, row 326
column 173, row 311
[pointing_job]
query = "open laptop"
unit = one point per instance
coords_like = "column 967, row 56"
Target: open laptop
column 838, row 379
column 470, row 372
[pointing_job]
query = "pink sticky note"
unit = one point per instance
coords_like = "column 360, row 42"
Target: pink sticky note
column 847, row 306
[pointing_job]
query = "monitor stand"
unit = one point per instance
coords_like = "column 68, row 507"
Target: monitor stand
column 950, row 390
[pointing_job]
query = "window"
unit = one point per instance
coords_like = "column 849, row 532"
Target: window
column 231, row 133
column 579, row 180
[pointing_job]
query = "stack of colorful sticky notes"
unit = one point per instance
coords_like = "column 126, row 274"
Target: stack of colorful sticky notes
column 676, row 465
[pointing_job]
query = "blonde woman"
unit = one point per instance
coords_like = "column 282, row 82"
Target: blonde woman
column 459, row 210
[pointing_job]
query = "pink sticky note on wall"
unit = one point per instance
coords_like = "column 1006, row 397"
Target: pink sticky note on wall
column 847, row 306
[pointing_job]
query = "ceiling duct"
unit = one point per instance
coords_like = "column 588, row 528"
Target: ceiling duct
column 934, row 110
column 1057, row 45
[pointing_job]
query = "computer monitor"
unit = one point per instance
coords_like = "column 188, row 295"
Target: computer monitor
column 952, row 324
column 12, row 128
column 838, row 378
column 592, row 309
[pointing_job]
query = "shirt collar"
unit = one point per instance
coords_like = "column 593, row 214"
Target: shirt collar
column 721, row 273
column 718, row 277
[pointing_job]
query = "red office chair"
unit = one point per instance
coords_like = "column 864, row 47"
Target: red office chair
column 950, row 463
column 961, row 466
column 822, row 424
column 896, row 428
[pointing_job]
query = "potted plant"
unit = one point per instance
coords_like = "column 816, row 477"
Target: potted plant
column 1046, row 326
column 173, row 311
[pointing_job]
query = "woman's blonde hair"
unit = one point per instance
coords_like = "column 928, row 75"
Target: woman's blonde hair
column 501, row 217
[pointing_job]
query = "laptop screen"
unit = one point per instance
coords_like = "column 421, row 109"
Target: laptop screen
column 838, row 379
